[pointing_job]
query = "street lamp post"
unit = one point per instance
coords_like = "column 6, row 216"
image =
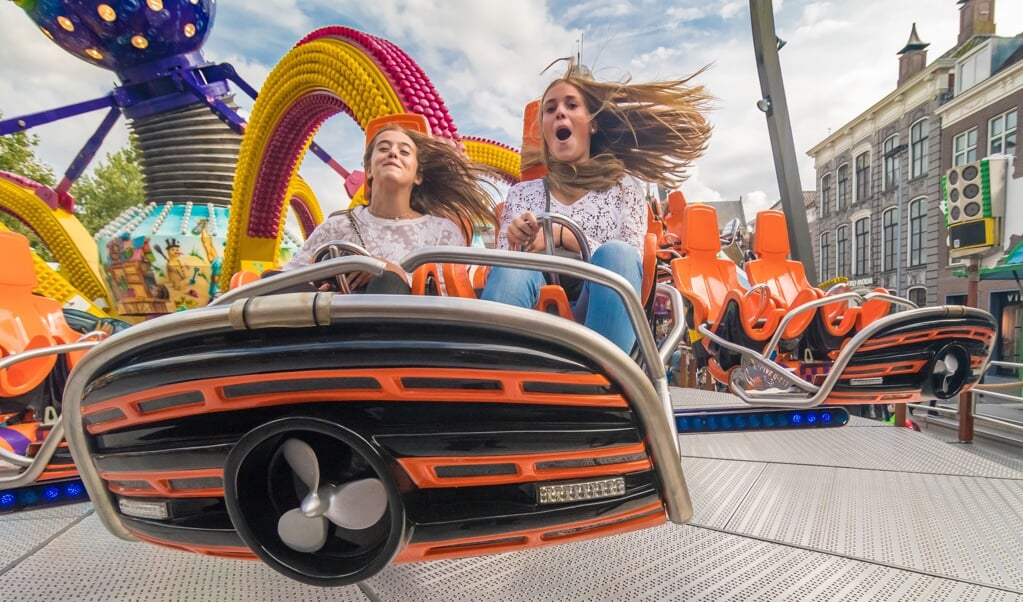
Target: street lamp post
column 896, row 154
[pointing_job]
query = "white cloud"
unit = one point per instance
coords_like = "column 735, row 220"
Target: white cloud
column 732, row 9
column 685, row 13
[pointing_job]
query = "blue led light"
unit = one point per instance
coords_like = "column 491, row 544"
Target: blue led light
column 51, row 493
column 73, row 489
column 6, row 500
column 762, row 419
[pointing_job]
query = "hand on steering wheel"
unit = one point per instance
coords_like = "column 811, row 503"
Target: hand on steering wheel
column 341, row 283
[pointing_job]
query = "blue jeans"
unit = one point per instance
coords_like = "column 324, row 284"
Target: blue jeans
column 598, row 307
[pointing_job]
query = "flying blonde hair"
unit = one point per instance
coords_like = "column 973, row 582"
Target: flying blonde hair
column 652, row 131
column 452, row 185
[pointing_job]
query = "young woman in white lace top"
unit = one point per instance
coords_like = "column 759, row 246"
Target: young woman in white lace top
column 598, row 138
column 421, row 192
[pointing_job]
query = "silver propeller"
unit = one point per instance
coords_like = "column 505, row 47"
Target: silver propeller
column 946, row 365
column 354, row 505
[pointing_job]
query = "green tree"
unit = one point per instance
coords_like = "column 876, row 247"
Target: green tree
column 114, row 185
column 18, row 155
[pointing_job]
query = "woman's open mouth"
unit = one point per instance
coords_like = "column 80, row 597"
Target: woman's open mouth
column 563, row 133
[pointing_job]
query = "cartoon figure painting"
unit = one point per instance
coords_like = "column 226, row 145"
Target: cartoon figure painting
column 166, row 259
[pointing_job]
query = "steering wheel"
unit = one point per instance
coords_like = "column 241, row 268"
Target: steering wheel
column 547, row 221
column 333, row 250
column 765, row 298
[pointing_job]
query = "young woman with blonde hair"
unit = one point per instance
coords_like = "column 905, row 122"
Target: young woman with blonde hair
column 598, row 140
column 421, row 192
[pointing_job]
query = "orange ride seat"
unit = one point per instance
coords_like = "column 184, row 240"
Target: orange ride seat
column 711, row 286
column 27, row 321
column 787, row 281
column 673, row 219
column 785, row 278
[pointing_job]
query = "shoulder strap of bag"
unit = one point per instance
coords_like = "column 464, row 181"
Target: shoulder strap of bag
column 355, row 226
column 546, row 194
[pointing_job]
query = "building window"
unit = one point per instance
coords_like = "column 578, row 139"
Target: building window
column 964, row 148
column 843, row 187
column 862, row 177
column 890, row 237
column 917, row 219
column 890, row 161
column 842, row 252
column 826, row 273
column 967, row 74
column 862, row 246
column 918, row 148
column 1002, row 134
column 826, row 195
column 918, row 295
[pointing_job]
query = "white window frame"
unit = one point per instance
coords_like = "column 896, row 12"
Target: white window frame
column 889, row 246
column 824, row 271
column 918, row 148
column 856, row 178
column 856, row 248
column 889, row 169
column 838, row 188
column 963, row 151
column 910, row 290
column 922, row 203
column 1006, row 133
column 848, row 251
column 825, row 204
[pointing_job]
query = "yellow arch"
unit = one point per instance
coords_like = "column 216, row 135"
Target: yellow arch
column 326, row 66
column 71, row 244
column 302, row 199
column 500, row 157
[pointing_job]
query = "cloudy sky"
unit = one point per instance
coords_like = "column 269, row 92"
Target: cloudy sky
column 484, row 58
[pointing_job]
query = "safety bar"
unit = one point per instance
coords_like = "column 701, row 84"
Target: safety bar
column 34, row 466
column 551, row 263
column 819, row 393
column 310, row 273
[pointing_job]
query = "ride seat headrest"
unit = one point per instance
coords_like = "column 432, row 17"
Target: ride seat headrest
column 701, row 233
column 532, row 140
column 408, row 121
column 19, row 269
column 772, row 237
column 676, row 202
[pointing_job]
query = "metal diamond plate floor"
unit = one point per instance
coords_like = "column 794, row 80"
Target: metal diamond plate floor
column 865, row 512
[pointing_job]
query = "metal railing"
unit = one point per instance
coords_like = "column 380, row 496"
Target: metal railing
column 976, row 405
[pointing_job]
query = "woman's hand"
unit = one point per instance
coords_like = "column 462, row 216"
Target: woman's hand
column 526, row 232
column 357, row 280
column 523, row 231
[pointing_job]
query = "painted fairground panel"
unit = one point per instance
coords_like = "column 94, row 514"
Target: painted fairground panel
column 160, row 259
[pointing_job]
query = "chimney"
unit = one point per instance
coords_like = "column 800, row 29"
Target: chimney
column 913, row 57
column 976, row 18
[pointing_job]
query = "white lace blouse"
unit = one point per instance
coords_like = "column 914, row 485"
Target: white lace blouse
column 387, row 239
column 618, row 213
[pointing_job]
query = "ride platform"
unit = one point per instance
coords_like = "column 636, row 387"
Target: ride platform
column 862, row 512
